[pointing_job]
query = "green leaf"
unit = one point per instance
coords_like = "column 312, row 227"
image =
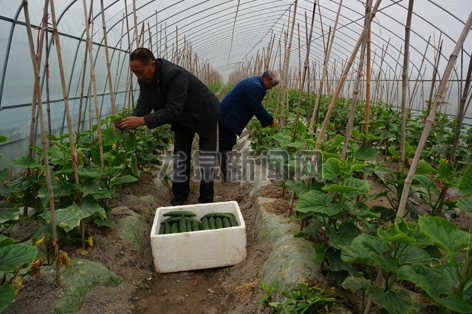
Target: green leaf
column 300, row 189
column 65, row 218
column 7, row 296
column 130, row 143
column 313, row 201
column 374, row 248
column 466, row 183
column 426, row 182
column 445, row 169
column 94, row 189
column 386, row 135
column 361, row 185
column 394, row 152
column 383, row 170
column 120, row 180
column 444, row 234
column 107, row 222
column 346, row 233
column 358, row 165
column 7, row 214
column 3, row 139
column 414, row 211
column 465, row 204
column 366, row 152
column 4, row 241
column 20, row 184
column 120, row 160
column 411, row 254
column 331, row 169
column 90, row 173
column 360, row 210
column 340, row 188
column 397, row 232
column 89, row 206
column 6, row 190
column 397, row 301
column 420, row 238
column 385, row 212
column 351, row 255
column 95, row 153
column 424, row 168
column 4, row 173
column 12, row 256
column 355, row 284
column 265, row 286
column 25, row 162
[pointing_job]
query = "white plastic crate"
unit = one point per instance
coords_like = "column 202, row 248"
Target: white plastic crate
column 199, row 249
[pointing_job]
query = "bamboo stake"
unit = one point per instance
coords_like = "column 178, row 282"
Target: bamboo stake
column 130, row 49
column 368, row 79
column 432, row 114
column 406, row 59
column 157, row 37
column 48, row 101
column 119, row 55
column 82, row 86
column 435, row 72
column 135, row 23
column 94, row 85
column 110, row 83
column 43, row 136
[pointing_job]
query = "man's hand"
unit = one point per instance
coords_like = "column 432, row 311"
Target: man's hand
column 130, row 123
column 275, row 122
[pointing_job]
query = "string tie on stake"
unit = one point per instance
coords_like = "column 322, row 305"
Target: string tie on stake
column 380, row 29
column 39, row 28
column 357, row 71
column 442, row 186
column 74, row 157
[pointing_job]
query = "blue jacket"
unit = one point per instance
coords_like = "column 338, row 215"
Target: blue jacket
column 242, row 103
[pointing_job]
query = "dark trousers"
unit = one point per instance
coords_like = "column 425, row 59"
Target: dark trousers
column 182, row 155
column 226, row 140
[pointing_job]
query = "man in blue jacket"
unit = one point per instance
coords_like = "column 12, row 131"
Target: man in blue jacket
column 169, row 94
column 237, row 109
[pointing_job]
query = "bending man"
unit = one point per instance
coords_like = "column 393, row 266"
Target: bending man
column 237, row 109
column 180, row 99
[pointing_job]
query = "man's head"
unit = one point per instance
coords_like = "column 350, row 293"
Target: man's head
column 271, row 78
column 143, row 64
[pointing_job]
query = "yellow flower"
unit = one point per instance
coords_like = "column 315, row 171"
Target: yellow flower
column 445, row 136
column 149, row 169
column 90, row 241
column 40, row 241
column 435, row 134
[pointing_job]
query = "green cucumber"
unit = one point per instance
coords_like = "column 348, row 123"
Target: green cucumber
column 177, row 219
column 221, row 215
column 175, row 228
column 211, row 223
column 162, row 230
column 195, row 226
column 182, row 224
column 205, row 225
column 233, row 222
column 218, row 223
column 226, row 223
column 178, row 213
column 168, row 228
column 189, row 225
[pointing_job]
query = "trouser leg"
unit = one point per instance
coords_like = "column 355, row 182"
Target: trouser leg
column 182, row 156
column 227, row 139
column 207, row 147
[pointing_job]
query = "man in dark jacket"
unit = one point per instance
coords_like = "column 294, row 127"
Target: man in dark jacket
column 237, row 109
column 180, row 99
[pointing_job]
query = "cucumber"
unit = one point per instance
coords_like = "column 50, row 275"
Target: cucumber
column 182, row 224
column 226, row 223
column 168, row 228
column 175, row 228
column 218, row 223
column 221, row 215
column 189, row 225
column 178, row 213
column 233, row 222
column 195, row 226
column 205, row 225
column 162, row 230
column 211, row 223
column 177, row 219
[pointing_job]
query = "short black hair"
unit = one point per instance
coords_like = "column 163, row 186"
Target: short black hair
column 142, row 54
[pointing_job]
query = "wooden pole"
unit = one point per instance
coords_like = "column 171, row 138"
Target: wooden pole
column 43, row 136
column 110, row 83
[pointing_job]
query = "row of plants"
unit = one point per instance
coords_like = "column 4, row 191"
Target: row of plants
column 359, row 241
column 126, row 154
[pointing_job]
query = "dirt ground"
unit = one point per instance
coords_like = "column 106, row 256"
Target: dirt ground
column 234, row 290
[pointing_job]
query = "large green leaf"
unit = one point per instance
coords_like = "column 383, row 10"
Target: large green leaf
column 89, row 206
column 437, row 282
column 420, row 238
column 25, row 162
column 361, row 185
column 466, row 183
column 65, row 218
column 89, row 173
column 12, row 256
column 120, row 180
column 94, row 189
column 366, row 152
column 4, row 173
column 129, row 145
column 426, row 182
column 331, row 168
column 424, row 168
column 120, row 160
column 397, row 232
column 374, row 248
column 95, row 153
column 20, row 184
column 9, row 214
column 344, row 236
column 444, row 234
column 6, row 190
column 358, row 165
column 386, row 213
column 313, row 201
column 300, row 189
column 340, row 188
column 408, row 254
column 355, row 284
column 396, row 301
column 107, row 222
column 360, row 210
column 351, row 255
column 383, row 170
column 7, row 296
column 465, row 204
column 335, row 261
column 444, row 168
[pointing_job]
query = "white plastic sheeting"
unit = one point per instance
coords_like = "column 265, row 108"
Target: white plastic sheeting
column 223, row 32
